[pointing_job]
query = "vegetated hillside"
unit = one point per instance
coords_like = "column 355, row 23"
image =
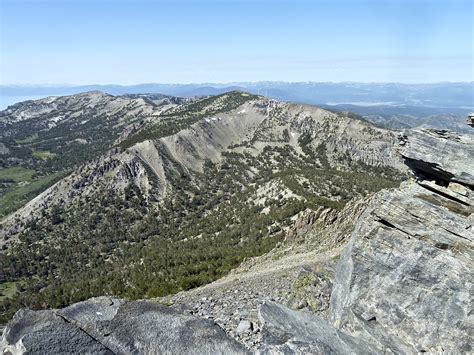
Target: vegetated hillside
column 185, row 195
column 41, row 141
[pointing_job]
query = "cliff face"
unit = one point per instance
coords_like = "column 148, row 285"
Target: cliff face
column 403, row 283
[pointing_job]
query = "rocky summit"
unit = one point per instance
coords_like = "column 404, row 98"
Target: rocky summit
column 397, row 280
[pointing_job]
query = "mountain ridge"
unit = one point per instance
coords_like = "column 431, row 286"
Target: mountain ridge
column 218, row 178
column 390, row 105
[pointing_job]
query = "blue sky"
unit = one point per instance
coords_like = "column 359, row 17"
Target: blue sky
column 184, row 41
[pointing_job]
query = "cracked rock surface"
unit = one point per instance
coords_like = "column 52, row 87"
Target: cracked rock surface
column 111, row 326
column 404, row 282
column 440, row 155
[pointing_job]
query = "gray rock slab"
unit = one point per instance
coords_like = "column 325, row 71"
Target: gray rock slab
column 103, row 325
column 44, row 332
column 286, row 331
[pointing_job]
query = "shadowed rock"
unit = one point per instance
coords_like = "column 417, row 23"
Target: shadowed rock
column 470, row 119
column 440, row 155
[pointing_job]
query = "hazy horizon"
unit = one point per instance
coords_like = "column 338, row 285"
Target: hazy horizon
column 456, row 95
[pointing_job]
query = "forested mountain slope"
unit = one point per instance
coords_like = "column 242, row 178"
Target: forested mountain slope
column 158, row 196
column 41, row 141
column 390, row 273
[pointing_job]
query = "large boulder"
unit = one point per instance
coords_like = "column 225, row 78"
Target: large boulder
column 111, row 326
column 44, row 332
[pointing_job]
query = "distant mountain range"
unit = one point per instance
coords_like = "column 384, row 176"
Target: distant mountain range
column 392, row 105
column 457, row 95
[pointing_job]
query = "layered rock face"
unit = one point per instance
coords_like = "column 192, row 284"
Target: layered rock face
column 440, row 155
column 403, row 283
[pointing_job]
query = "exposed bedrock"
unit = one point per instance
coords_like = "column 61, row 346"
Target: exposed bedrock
column 404, row 282
column 439, row 155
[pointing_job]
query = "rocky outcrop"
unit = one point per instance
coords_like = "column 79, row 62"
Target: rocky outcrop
column 470, row 119
column 439, row 155
column 45, row 332
column 112, row 326
column 404, row 283
column 404, row 280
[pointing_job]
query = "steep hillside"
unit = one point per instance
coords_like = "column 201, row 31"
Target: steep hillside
column 185, row 194
column 41, row 141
